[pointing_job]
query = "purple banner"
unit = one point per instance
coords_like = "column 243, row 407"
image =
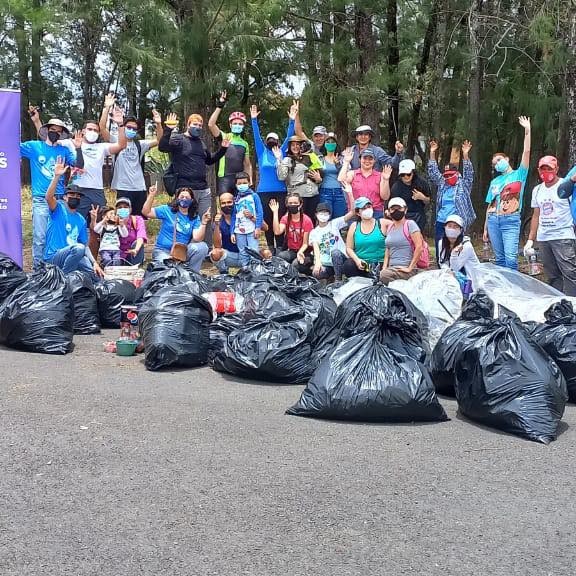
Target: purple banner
column 10, row 189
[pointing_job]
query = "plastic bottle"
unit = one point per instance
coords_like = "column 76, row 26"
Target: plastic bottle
column 486, row 251
column 224, row 302
column 534, row 266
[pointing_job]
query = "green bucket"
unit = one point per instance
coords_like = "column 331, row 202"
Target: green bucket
column 126, row 347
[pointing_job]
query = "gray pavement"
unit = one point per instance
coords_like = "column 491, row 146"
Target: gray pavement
column 107, row 469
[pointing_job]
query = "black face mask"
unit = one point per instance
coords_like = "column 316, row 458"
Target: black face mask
column 293, row 209
column 226, row 209
column 270, row 144
column 397, row 215
column 53, row 136
column 73, row 203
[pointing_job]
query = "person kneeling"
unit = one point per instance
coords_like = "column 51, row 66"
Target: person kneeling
column 67, row 235
column 180, row 227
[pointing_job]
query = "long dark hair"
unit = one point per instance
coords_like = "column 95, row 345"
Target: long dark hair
column 447, row 246
column 289, row 215
column 192, row 209
column 304, row 158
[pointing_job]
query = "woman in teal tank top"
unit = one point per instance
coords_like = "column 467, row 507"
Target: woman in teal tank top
column 366, row 241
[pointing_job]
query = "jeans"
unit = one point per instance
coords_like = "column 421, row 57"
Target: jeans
column 40, row 216
column 72, row 258
column 228, row 260
column 204, row 199
column 559, row 260
column 504, row 233
column 110, row 258
column 280, row 197
column 136, row 197
column 335, row 270
column 244, row 241
column 334, row 197
column 309, row 206
column 197, row 251
column 90, row 196
column 129, row 260
column 350, row 270
column 226, row 184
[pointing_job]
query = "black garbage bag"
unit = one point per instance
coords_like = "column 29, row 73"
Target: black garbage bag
column 265, row 300
column 274, row 267
column 478, row 306
column 175, row 328
column 375, row 306
column 39, row 315
column 112, row 295
column 363, row 379
column 11, row 276
column 86, row 315
column 557, row 336
column 220, row 329
column 506, row 381
column 274, row 349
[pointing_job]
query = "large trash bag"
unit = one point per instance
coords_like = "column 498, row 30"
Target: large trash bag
column 174, row 324
column 39, row 315
column 220, row 329
column 557, row 336
column 406, row 326
column 274, row 349
column 112, row 295
column 86, row 315
column 363, row 379
column 11, row 276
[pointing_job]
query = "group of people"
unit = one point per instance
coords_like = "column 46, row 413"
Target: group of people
column 330, row 212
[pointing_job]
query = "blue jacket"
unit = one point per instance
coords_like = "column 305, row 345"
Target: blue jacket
column 250, row 201
column 267, row 178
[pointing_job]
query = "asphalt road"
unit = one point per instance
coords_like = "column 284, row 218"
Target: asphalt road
column 106, row 469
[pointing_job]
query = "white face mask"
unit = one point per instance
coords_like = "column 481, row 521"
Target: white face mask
column 452, row 233
column 323, row 217
column 367, row 214
column 91, row 136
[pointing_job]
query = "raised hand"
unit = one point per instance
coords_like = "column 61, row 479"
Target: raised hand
column 171, row 120
column 207, row 216
column 109, row 100
column 226, row 142
column 78, row 139
column 466, row 147
column 254, row 112
column 399, row 147
column 524, row 122
column 33, row 112
column 156, row 116
column 94, row 212
column 293, row 112
column 277, row 152
column 60, row 167
column 347, row 155
column 223, row 97
column 274, row 206
column 153, row 190
column 387, row 172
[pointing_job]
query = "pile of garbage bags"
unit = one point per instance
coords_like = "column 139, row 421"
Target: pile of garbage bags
column 86, row 312
column 501, row 376
column 11, row 276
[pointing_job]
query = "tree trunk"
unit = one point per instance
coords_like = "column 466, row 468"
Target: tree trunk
column 571, row 86
column 476, row 73
column 341, row 76
column 393, row 64
column 35, row 62
column 21, row 39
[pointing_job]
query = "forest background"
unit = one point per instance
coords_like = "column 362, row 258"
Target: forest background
column 412, row 69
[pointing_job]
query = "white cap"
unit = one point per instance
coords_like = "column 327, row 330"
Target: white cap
column 364, row 128
column 397, row 202
column 273, row 136
column 406, row 167
column 456, row 219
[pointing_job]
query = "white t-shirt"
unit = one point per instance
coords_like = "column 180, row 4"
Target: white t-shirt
column 555, row 221
column 462, row 257
column 328, row 239
column 94, row 156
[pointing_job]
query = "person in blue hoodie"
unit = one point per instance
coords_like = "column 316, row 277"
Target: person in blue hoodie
column 269, row 186
column 247, row 218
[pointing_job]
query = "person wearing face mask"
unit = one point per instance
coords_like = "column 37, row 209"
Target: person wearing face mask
column 454, row 190
column 295, row 226
column 404, row 245
column 504, row 199
column 179, row 224
column 553, row 227
column 42, row 155
column 225, row 254
column 456, row 250
column 237, row 157
column 190, row 159
column 110, row 229
column 128, row 175
column 331, row 192
column 247, row 218
column 363, row 136
column 366, row 241
column 270, row 187
column 67, row 235
column 131, row 246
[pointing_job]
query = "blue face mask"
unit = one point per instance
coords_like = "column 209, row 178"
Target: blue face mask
column 131, row 133
column 502, row 165
column 123, row 213
column 237, row 128
column 194, row 131
column 184, row 202
column 243, row 188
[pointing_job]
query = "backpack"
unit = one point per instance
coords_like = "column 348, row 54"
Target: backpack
column 170, row 180
column 424, row 261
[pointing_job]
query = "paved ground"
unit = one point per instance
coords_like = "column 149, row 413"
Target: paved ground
column 106, row 469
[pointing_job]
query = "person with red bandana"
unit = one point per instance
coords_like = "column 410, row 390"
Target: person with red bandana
column 454, row 190
column 553, row 227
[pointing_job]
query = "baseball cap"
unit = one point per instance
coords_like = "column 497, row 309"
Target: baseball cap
column 550, row 161
column 406, row 167
column 323, row 207
column 319, row 130
column 397, row 202
column 368, row 152
column 456, row 219
column 272, row 136
column 75, row 189
column 361, row 202
column 330, row 135
column 124, row 200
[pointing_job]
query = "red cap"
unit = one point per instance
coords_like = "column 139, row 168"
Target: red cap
column 550, row 161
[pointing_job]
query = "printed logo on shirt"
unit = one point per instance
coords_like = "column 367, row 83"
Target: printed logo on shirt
column 510, row 198
column 547, row 208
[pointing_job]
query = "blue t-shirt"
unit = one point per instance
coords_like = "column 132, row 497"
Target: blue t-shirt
column 184, row 228
column 330, row 177
column 65, row 228
column 226, row 232
column 448, row 207
column 42, row 158
column 506, row 192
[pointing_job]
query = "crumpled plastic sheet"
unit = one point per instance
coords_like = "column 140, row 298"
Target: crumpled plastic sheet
column 350, row 287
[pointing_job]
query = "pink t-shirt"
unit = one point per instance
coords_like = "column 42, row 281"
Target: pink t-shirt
column 136, row 229
column 295, row 230
column 368, row 186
